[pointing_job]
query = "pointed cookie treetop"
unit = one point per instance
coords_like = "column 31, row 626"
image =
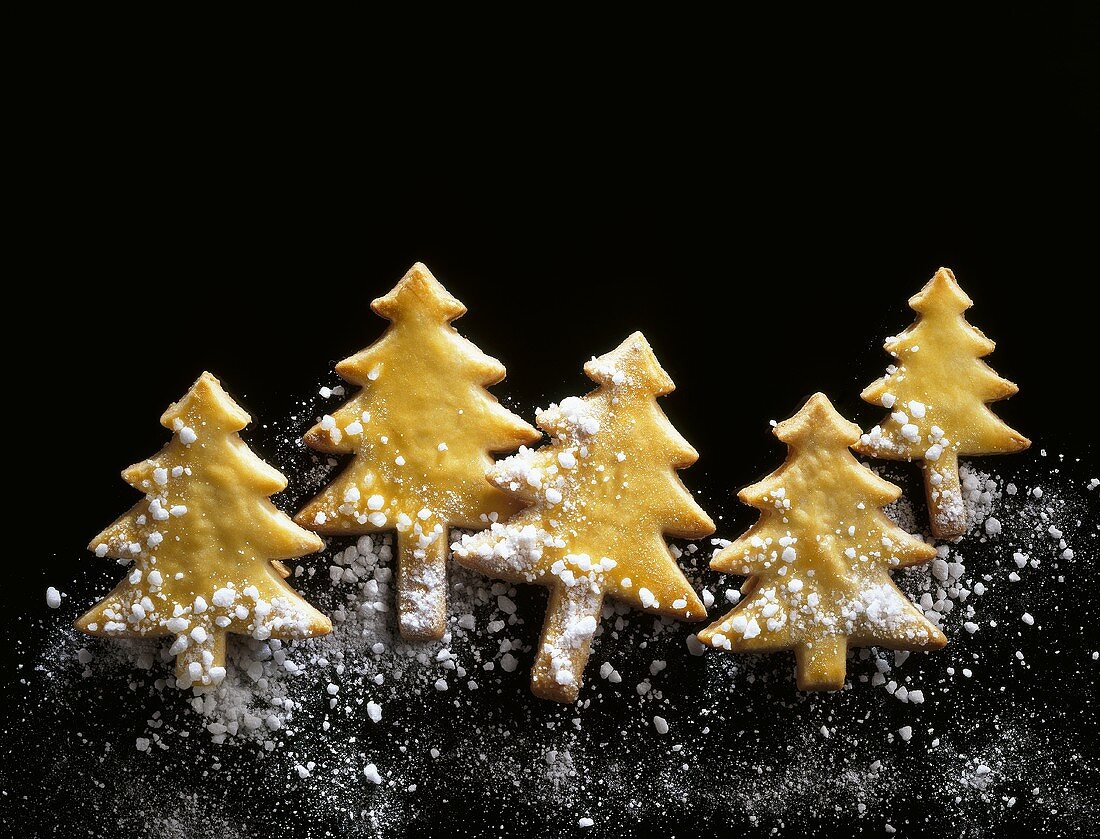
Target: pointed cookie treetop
column 942, row 293
column 633, row 358
column 818, row 423
column 208, row 404
column 419, row 293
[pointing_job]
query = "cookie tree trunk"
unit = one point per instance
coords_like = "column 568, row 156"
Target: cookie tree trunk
column 566, row 610
column 421, row 587
column 822, row 665
column 944, row 493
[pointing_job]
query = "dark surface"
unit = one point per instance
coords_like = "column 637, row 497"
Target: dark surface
column 763, row 261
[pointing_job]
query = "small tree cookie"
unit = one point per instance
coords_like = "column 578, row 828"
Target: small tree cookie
column 937, row 392
column 819, row 558
column 421, row 431
column 602, row 495
column 204, row 543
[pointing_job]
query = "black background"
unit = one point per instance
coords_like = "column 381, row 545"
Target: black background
column 761, row 215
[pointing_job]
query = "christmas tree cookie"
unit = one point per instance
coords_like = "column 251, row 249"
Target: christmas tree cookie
column 421, row 431
column 602, row 494
column 819, row 558
column 937, row 393
column 204, row 544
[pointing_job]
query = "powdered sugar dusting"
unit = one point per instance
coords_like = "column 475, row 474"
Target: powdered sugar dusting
column 348, row 734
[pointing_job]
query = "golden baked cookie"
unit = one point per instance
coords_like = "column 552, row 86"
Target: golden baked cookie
column 819, row 558
column 204, row 543
column 421, row 431
column 937, row 392
column 602, row 494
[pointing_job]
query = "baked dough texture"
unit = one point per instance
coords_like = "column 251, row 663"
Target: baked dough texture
column 819, row 558
column 601, row 494
column 421, row 430
column 937, row 391
column 204, row 544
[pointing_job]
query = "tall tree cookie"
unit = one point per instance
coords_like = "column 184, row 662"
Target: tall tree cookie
column 421, row 431
column 819, row 558
column 937, row 393
column 205, row 544
column 602, row 493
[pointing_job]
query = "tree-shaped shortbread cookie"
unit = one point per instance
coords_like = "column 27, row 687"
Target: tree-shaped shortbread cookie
column 937, row 392
column 603, row 493
column 421, row 429
column 819, row 558
column 204, row 543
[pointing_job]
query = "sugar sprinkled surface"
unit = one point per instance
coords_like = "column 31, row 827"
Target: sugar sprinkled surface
column 355, row 735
